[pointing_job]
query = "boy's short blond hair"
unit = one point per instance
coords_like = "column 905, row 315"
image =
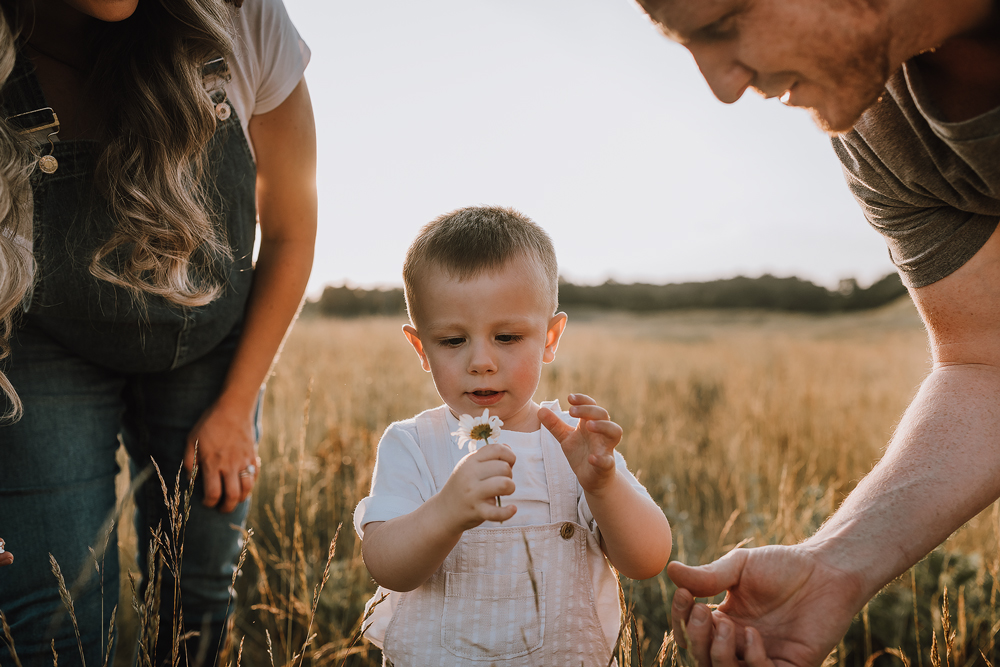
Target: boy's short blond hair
column 470, row 241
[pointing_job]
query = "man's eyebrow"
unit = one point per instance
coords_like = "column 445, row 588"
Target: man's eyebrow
column 713, row 30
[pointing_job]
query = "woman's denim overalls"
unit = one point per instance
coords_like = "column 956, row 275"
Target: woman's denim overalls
column 91, row 366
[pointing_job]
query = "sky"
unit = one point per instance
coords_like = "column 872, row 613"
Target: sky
column 579, row 114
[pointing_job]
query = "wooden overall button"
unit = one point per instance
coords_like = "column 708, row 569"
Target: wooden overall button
column 567, row 530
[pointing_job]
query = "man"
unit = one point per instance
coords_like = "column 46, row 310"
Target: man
column 910, row 91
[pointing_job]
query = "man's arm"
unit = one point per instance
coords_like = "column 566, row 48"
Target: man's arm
column 941, row 468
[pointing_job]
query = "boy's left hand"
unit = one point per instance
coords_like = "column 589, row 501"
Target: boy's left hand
column 590, row 447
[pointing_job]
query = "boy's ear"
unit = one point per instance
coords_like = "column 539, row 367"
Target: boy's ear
column 411, row 335
column 556, row 327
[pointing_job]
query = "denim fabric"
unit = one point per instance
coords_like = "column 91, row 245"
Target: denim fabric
column 57, row 469
column 103, row 322
column 92, row 367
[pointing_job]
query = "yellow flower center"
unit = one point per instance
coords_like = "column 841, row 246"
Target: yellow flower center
column 481, row 432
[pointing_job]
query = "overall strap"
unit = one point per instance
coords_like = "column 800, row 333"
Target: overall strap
column 21, row 93
column 559, row 477
column 433, row 433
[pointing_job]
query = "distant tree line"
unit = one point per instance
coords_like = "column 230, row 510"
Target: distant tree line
column 766, row 293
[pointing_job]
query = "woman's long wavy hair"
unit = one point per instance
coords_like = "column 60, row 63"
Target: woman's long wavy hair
column 157, row 119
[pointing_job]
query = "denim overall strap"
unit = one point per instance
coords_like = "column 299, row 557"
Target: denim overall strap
column 515, row 596
column 104, row 323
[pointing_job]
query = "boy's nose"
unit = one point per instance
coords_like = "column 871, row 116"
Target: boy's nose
column 481, row 362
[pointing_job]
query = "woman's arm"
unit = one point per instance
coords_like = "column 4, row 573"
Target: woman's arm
column 285, row 143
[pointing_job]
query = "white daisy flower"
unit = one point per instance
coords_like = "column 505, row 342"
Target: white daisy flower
column 473, row 429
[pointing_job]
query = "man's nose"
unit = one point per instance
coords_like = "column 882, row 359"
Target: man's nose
column 726, row 76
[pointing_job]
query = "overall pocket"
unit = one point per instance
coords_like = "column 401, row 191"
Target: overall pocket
column 493, row 616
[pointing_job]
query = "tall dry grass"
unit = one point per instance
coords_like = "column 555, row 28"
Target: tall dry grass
column 743, row 426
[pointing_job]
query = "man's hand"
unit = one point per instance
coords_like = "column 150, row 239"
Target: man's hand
column 799, row 607
column 227, row 457
column 590, row 447
column 469, row 496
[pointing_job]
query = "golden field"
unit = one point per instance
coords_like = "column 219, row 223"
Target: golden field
column 742, row 425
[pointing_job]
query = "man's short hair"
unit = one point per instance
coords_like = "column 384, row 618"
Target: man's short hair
column 470, row 241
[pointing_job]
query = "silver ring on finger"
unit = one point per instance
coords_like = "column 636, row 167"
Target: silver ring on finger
column 249, row 471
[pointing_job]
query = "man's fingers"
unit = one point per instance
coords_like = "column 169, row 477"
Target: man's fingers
column 709, row 580
column 680, row 614
column 723, row 649
column 699, row 634
column 753, row 650
column 692, row 625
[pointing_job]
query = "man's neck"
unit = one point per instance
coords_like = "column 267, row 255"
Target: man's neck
column 962, row 75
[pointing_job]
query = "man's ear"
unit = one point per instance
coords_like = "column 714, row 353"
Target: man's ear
column 411, row 335
column 556, row 327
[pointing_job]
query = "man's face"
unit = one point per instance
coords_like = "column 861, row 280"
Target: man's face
column 830, row 56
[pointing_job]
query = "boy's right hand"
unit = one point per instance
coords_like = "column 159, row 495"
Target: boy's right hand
column 469, row 496
column 6, row 557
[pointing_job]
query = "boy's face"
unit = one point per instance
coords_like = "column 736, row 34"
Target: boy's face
column 484, row 340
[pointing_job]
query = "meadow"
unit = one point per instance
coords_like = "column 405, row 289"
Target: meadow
column 743, row 425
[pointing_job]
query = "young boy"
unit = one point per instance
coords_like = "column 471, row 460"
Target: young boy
column 467, row 578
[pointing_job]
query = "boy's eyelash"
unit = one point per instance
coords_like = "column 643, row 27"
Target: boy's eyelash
column 510, row 338
column 451, row 342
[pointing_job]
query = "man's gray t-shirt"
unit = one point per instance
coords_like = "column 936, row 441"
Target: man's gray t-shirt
column 931, row 188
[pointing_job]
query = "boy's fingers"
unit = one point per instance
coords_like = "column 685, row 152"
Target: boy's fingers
column 498, row 486
column 603, row 462
column 589, row 412
column 489, row 469
column 494, row 513
column 608, row 429
column 581, row 399
column 496, row 453
column 556, row 426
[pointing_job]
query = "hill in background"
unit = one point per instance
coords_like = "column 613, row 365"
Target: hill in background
column 764, row 293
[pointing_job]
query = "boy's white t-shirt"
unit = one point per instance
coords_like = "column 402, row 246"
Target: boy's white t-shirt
column 402, row 481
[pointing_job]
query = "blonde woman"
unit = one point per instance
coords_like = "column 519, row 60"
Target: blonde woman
column 139, row 142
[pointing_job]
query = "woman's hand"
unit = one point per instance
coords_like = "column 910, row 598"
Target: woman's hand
column 6, row 557
column 227, row 454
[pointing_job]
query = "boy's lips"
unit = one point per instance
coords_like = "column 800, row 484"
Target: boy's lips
column 485, row 397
